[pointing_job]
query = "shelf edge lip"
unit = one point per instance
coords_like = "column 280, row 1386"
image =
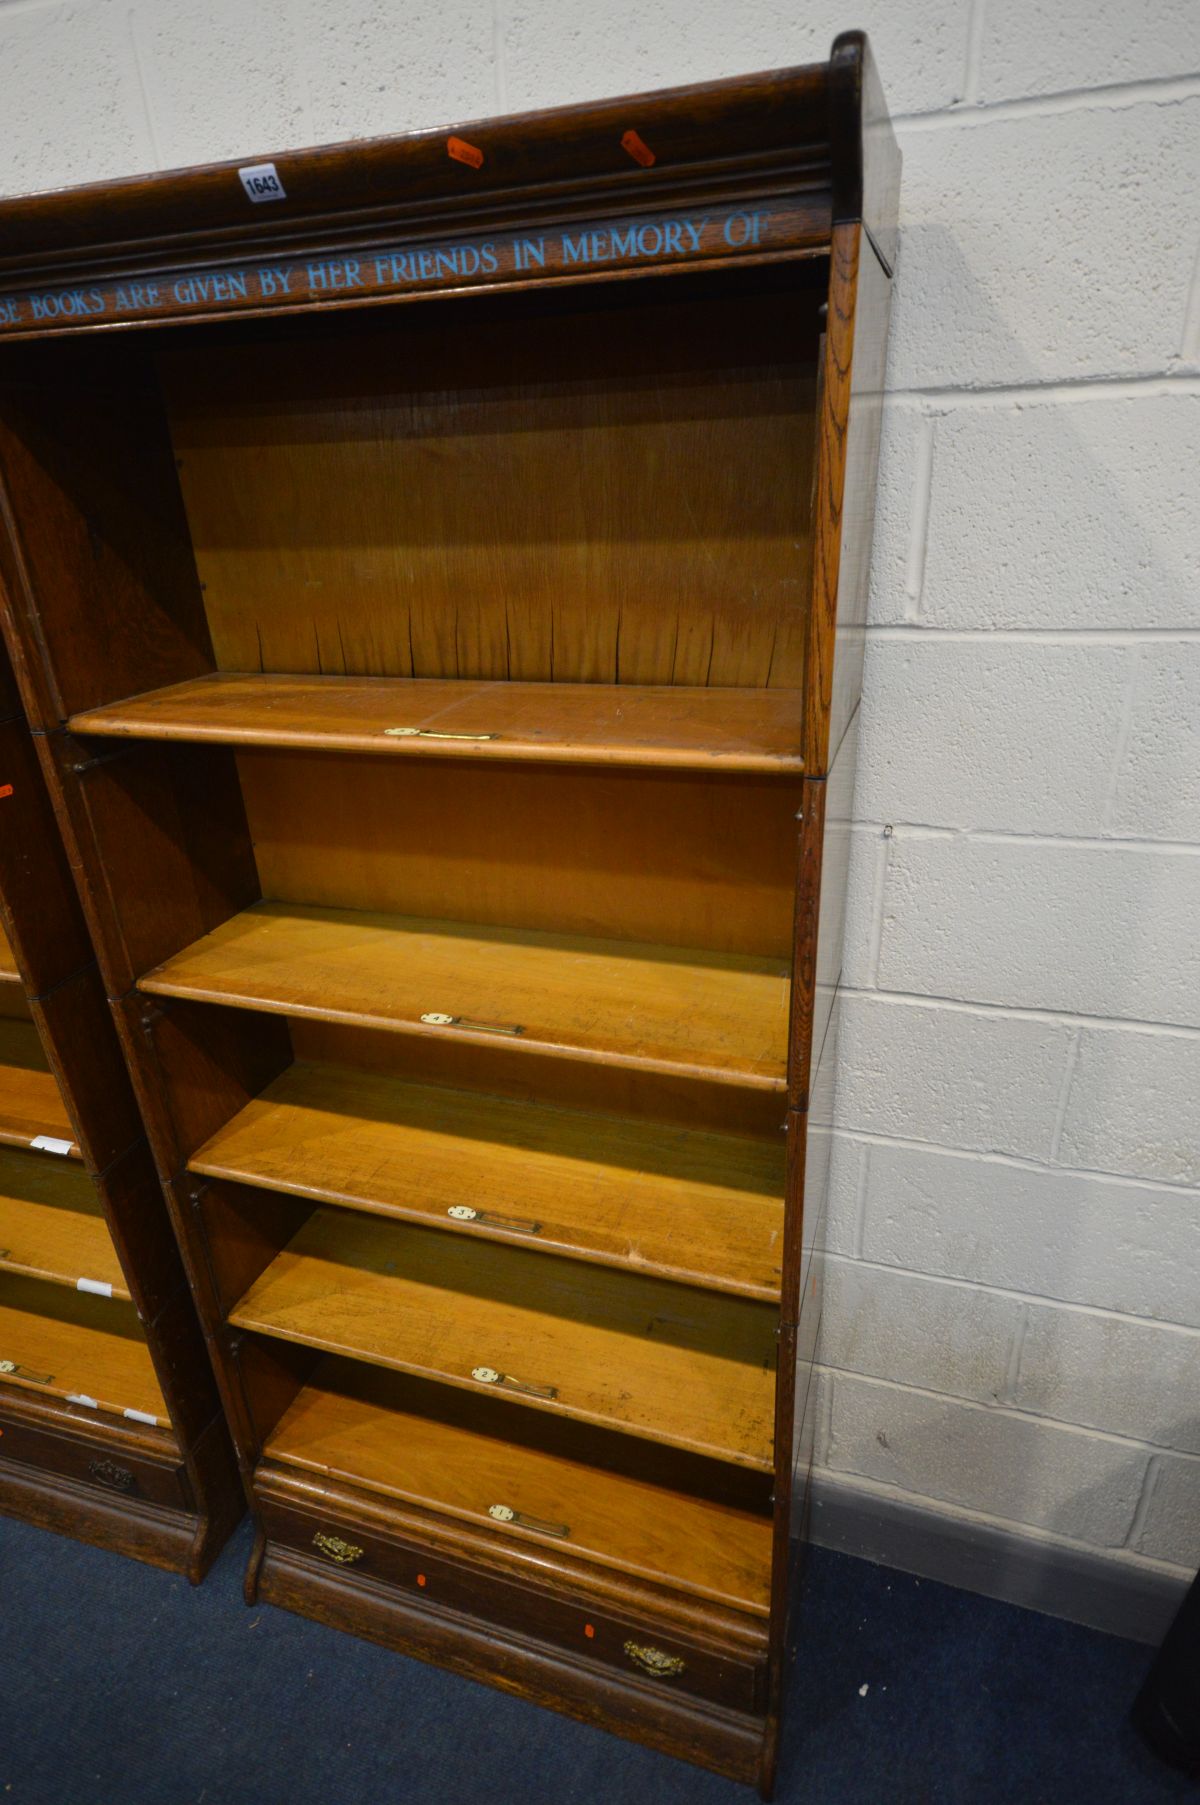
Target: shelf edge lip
column 63, row 1281
column 105, row 1407
column 49, row 1413
column 747, row 1293
column 752, row 1081
column 21, row 1141
column 497, row 752
column 121, row 721
column 765, row 1463
column 282, row 1468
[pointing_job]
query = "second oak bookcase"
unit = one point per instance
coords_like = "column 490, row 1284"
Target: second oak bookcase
column 437, row 579
column 110, row 1424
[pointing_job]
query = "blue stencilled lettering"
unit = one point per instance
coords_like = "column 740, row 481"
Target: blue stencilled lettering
column 667, row 236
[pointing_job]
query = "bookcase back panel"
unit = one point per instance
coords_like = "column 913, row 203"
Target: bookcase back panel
column 504, row 1071
column 609, row 495
column 683, row 861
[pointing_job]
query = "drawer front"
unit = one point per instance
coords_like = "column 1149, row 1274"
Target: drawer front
column 107, row 1468
column 656, row 1654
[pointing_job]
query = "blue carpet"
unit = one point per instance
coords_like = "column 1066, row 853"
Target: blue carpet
column 119, row 1685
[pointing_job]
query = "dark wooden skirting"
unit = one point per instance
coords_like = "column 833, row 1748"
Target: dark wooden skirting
column 1079, row 1584
column 726, row 1742
column 145, row 1532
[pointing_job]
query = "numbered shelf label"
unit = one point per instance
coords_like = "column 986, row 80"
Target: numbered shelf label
column 261, row 182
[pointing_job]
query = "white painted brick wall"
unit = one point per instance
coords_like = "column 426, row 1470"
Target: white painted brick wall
column 1134, row 1105
column 1139, row 1379
column 920, row 1331
column 955, row 907
column 1157, row 791
column 1037, row 246
column 1073, row 1236
column 1009, row 714
column 556, row 52
column 1027, row 47
column 1067, row 515
column 1014, row 1467
column 1170, row 1529
column 1013, row 1312
column 960, row 1077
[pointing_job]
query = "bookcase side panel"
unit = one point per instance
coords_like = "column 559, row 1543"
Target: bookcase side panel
column 99, row 560
column 847, row 464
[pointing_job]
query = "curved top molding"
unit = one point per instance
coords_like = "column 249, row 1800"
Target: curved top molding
column 811, row 141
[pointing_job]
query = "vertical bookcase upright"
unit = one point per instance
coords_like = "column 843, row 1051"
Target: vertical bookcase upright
column 436, row 570
column 110, row 1424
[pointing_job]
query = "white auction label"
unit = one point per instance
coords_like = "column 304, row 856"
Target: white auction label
column 261, row 182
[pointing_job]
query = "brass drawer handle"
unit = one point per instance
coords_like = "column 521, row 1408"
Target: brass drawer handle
column 462, row 1212
column 434, row 1018
column 655, row 1661
column 107, row 1472
column 344, row 1553
column 487, row 1375
column 504, row 1513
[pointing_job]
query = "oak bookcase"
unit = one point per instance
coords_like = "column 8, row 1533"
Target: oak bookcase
column 436, row 570
column 110, row 1424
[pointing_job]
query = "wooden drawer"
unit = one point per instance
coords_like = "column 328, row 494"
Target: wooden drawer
column 106, row 1465
column 636, row 1647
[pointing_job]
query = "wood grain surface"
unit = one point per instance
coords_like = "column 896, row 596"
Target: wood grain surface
column 613, row 495
column 655, row 1008
column 661, row 726
column 406, row 1441
column 72, row 1345
column 30, row 1101
column 685, row 1367
column 52, row 1223
column 690, row 1205
column 675, row 858
column 8, row 964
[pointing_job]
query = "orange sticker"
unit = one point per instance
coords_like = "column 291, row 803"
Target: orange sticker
column 589, row 1630
column 638, row 149
column 5, row 789
column 420, row 1579
column 462, row 152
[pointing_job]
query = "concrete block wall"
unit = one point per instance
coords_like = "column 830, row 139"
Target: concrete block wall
column 1012, row 1326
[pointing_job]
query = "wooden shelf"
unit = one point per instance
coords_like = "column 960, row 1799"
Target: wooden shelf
column 755, row 730
column 75, row 1346
column 8, row 964
column 703, row 1208
column 52, row 1225
column 31, row 1104
column 679, row 1366
column 688, row 1013
column 442, row 1450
